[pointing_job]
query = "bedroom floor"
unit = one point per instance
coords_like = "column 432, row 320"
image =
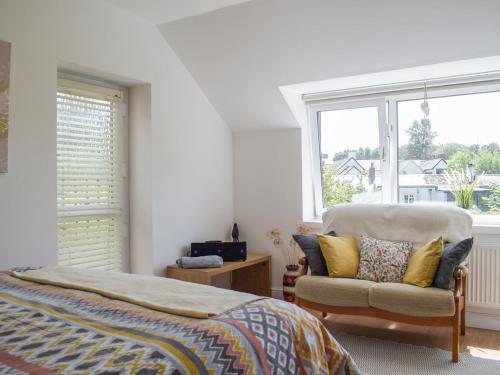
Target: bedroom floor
column 476, row 340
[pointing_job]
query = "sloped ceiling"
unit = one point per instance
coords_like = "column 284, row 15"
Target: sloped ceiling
column 161, row 11
column 240, row 55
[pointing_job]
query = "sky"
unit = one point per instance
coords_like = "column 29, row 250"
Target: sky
column 465, row 119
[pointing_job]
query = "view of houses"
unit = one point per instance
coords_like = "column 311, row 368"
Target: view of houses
column 419, row 181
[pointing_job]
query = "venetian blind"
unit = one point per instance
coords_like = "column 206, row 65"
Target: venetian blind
column 89, row 176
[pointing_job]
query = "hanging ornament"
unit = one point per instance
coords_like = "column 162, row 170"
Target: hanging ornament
column 424, row 106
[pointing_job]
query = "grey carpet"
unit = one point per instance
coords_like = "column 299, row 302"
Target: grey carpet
column 380, row 357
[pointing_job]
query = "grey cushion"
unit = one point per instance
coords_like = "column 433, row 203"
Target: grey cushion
column 310, row 246
column 453, row 255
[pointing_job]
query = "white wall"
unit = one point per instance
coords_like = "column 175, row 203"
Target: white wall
column 240, row 55
column 191, row 146
column 267, row 189
column 140, row 190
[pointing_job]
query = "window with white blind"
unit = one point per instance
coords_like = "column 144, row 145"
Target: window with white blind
column 91, row 177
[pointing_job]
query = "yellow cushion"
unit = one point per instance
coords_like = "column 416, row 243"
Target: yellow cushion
column 424, row 263
column 341, row 255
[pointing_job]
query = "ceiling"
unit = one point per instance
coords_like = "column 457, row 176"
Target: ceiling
column 241, row 55
column 161, row 11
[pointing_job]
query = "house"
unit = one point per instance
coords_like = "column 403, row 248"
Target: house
column 130, row 129
column 349, row 166
column 433, row 166
column 410, row 167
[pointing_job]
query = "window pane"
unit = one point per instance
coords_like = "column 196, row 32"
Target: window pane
column 453, row 156
column 350, row 156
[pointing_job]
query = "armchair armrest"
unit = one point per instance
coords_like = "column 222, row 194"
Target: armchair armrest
column 460, row 276
column 304, row 266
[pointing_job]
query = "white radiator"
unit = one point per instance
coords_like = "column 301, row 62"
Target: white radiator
column 484, row 275
column 483, row 289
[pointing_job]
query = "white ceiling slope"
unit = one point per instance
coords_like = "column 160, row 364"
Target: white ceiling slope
column 240, row 55
column 161, row 11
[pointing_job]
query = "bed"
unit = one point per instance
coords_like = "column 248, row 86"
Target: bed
column 49, row 326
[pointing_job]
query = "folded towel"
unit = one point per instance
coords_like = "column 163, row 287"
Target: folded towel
column 208, row 261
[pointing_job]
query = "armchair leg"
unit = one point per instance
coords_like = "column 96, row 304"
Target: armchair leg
column 462, row 322
column 455, row 346
column 462, row 312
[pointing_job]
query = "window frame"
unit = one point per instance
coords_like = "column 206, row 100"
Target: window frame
column 314, row 118
column 390, row 98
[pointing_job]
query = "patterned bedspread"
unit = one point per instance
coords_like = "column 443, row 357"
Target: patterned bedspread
column 47, row 330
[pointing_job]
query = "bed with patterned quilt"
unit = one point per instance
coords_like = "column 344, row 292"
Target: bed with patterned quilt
column 51, row 327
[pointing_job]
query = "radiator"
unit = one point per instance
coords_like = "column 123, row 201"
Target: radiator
column 484, row 276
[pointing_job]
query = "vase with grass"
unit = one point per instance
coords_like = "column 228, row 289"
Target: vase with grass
column 291, row 253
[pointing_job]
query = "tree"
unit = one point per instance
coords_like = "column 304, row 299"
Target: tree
column 341, row 155
column 460, row 161
column 493, row 200
column 474, row 149
column 337, row 189
column 361, row 154
column 487, row 162
column 403, row 152
column 448, row 150
column 492, row 147
column 420, row 144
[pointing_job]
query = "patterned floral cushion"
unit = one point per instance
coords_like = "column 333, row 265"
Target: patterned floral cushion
column 383, row 261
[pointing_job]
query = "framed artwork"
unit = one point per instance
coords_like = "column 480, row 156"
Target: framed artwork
column 4, row 103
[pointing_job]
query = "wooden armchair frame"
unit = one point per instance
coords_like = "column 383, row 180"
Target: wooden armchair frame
column 456, row 322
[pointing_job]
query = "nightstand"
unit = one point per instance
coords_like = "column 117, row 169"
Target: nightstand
column 250, row 276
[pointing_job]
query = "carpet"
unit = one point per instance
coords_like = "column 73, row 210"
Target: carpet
column 380, row 357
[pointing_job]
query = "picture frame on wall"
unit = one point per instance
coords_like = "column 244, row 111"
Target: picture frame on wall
column 5, row 48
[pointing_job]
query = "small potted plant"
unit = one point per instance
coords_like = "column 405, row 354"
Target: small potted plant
column 462, row 184
column 291, row 253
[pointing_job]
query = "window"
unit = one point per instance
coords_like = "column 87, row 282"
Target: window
column 459, row 139
column 409, row 198
column 384, row 148
column 91, row 183
column 352, row 153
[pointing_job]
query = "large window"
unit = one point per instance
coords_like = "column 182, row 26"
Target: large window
column 91, row 181
column 389, row 148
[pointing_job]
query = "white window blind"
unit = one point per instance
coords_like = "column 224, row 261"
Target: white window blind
column 90, row 181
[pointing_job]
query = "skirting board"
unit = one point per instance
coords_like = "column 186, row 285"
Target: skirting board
column 484, row 321
column 485, row 317
column 476, row 316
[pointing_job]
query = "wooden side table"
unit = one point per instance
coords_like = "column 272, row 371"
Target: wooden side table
column 251, row 276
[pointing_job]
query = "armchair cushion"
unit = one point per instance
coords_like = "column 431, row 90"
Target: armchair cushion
column 423, row 264
column 453, row 255
column 334, row 291
column 412, row 300
column 341, row 255
column 310, row 246
column 383, row 261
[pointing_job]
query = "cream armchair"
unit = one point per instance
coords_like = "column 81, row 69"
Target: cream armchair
column 392, row 301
